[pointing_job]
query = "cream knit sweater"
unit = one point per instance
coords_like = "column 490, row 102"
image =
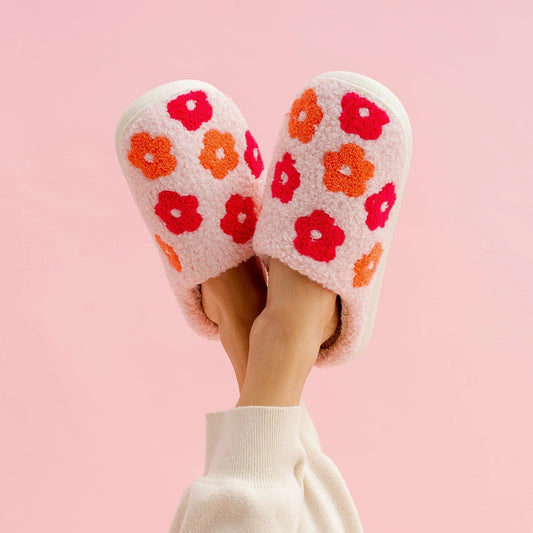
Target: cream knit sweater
column 265, row 472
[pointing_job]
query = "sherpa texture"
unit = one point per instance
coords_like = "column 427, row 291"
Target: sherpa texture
column 194, row 170
column 331, row 195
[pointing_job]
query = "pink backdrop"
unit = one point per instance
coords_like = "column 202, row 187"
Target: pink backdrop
column 103, row 388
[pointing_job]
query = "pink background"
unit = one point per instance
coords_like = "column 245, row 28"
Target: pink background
column 103, row 388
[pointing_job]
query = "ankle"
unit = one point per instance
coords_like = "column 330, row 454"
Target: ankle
column 300, row 303
column 279, row 362
column 283, row 324
column 286, row 348
column 315, row 321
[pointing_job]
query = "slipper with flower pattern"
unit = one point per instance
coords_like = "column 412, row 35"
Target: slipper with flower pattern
column 195, row 172
column 332, row 197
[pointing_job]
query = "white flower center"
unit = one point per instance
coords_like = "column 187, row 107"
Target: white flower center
column 148, row 157
column 302, row 116
column 191, row 104
column 371, row 265
column 175, row 213
column 315, row 234
column 384, row 206
column 284, row 178
column 220, row 153
column 241, row 217
column 364, row 112
column 256, row 153
column 346, row 170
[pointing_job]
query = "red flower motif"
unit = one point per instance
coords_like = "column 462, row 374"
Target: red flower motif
column 318, row 236
column 240, row 218
column 191, row 109
column 178, row 212
column 252, row 156
column 362, row 117
column 286, row 179
column 378, row 206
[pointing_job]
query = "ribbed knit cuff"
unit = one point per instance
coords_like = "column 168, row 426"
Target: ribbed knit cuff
column 257, row 444
column 308, row 434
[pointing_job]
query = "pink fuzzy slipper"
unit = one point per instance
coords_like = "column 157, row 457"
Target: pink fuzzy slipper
column 332, row 196
column 194, row 170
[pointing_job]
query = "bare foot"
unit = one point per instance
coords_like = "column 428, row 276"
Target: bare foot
column 233, row 300
column 286, row 337
column 301, row 300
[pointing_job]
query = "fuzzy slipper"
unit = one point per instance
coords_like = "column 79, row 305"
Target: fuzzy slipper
column 332, row 196
column 194, row 170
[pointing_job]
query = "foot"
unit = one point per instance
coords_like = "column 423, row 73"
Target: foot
column 286, row 337
column 233, row 300
column 301, row 301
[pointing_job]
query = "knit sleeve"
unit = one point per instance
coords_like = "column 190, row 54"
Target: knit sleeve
column 328, row 504
column 253, row 474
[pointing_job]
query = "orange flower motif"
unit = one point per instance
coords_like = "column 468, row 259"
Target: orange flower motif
column 152, row 155
column 347, row 170
column 170, row 253
column 305, row 116
column 219, row 155
column 365, row 267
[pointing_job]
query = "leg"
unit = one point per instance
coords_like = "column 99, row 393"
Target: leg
column 233, row 300
column 264, row 466
column 279, row 331
column 285, row 338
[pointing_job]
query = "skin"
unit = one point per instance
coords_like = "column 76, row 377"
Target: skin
column 272, row 335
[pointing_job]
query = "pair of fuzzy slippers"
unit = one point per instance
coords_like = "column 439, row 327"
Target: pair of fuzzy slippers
column 327, row 208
